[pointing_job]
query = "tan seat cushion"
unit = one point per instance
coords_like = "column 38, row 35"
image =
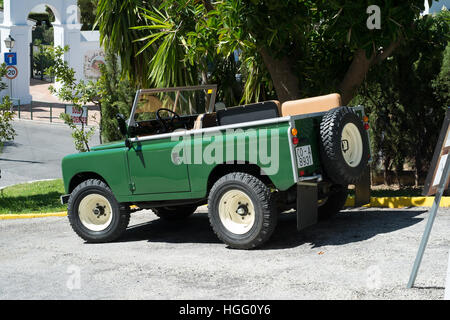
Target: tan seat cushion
column 198, row 122
column 311, row 105
column 205, row 120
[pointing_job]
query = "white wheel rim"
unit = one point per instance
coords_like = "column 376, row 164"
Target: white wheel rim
column 95, row 212
column 236, row 212
column 351, row 145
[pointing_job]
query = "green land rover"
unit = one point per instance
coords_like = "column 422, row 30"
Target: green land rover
column 182, row 150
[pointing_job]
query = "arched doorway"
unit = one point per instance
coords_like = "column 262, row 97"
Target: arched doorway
column 16, row 24
column 42, row 36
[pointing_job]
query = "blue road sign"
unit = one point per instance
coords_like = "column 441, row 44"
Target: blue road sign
column 11, row 58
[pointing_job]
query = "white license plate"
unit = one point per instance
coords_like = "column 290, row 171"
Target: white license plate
column 304, row 156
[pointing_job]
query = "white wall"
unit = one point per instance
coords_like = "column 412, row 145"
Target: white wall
column 67, row 32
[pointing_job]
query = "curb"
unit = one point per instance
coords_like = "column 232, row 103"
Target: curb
column 400, row 202
column 31, row 215
column 379, row 202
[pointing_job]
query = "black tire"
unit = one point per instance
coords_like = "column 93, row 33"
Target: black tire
column 262, row 207
column 333, row 203
column 337, row 169
column 118, row 216
column 174, row 213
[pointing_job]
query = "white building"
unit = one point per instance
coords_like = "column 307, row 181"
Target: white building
column 85, row 53
column 436, row 6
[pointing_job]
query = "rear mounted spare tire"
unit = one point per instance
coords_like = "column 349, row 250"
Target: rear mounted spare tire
column 344, row 146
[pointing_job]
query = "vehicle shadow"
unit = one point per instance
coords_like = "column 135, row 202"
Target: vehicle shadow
column 195, row 229
column 346, row 227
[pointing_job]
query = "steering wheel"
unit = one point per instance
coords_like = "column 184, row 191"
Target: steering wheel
column 164, row 122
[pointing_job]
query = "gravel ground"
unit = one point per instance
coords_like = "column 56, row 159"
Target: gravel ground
column 359, row 254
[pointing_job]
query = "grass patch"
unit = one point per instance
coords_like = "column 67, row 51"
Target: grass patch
column 36, row 197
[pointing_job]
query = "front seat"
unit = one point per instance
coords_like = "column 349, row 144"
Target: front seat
column 205, row 120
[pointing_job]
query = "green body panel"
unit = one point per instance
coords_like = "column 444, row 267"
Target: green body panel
column 239, row 145
column 110, row 145
column 152, row 170
column 308, row 134
column 111, row 164
column 147, row 171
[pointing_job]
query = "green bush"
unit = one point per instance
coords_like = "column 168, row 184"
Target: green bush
column 406, row 98
column 7, row 132
column 117, row 97
column 42, row 60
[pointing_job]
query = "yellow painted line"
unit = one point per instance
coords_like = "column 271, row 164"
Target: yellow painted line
column 375, row 202
column 31, row 215
column 400, row 202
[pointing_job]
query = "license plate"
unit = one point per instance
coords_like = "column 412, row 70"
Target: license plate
column 304, row 156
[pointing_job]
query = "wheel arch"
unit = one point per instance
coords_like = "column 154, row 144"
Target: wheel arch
column 244, row 167
column 83, row 176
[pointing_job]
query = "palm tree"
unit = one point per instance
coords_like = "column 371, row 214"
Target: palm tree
column 150, row 40
column 115, row 19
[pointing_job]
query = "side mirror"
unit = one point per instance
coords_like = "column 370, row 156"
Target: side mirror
column 122, row 124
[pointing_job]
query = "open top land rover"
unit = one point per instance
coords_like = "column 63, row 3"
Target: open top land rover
column 247, row 163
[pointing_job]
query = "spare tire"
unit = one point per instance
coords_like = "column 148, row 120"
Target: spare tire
column 344, row 146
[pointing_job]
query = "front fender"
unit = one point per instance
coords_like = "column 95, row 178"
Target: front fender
column 110, row 164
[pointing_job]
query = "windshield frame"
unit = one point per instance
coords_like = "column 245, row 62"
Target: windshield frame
column 140, row 92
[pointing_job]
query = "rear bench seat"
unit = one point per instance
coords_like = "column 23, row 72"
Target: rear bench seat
column 247, row 113
column 268, row 110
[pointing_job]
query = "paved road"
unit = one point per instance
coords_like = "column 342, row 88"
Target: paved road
column 36, row 152
column 359, row 254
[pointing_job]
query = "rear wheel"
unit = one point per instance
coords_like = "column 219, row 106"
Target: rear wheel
column 241, row 211
column 94, row 213
column 175, row 213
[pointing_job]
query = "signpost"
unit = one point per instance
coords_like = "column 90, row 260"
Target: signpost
column 11, row 58
column 435, row 184
column 11, row 70
column 78, row 116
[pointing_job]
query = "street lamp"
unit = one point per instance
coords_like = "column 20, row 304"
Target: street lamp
column 9, row 42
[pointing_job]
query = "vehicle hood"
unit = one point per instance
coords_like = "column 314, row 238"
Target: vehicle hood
column 110, row 145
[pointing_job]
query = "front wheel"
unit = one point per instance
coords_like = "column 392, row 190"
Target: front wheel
column 241, row 211
column 94, row 213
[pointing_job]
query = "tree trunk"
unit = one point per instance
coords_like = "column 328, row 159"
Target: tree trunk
column 360, row 67
column 284, row 80
column 418, row 165
column 386, row 163
column 355, row 76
